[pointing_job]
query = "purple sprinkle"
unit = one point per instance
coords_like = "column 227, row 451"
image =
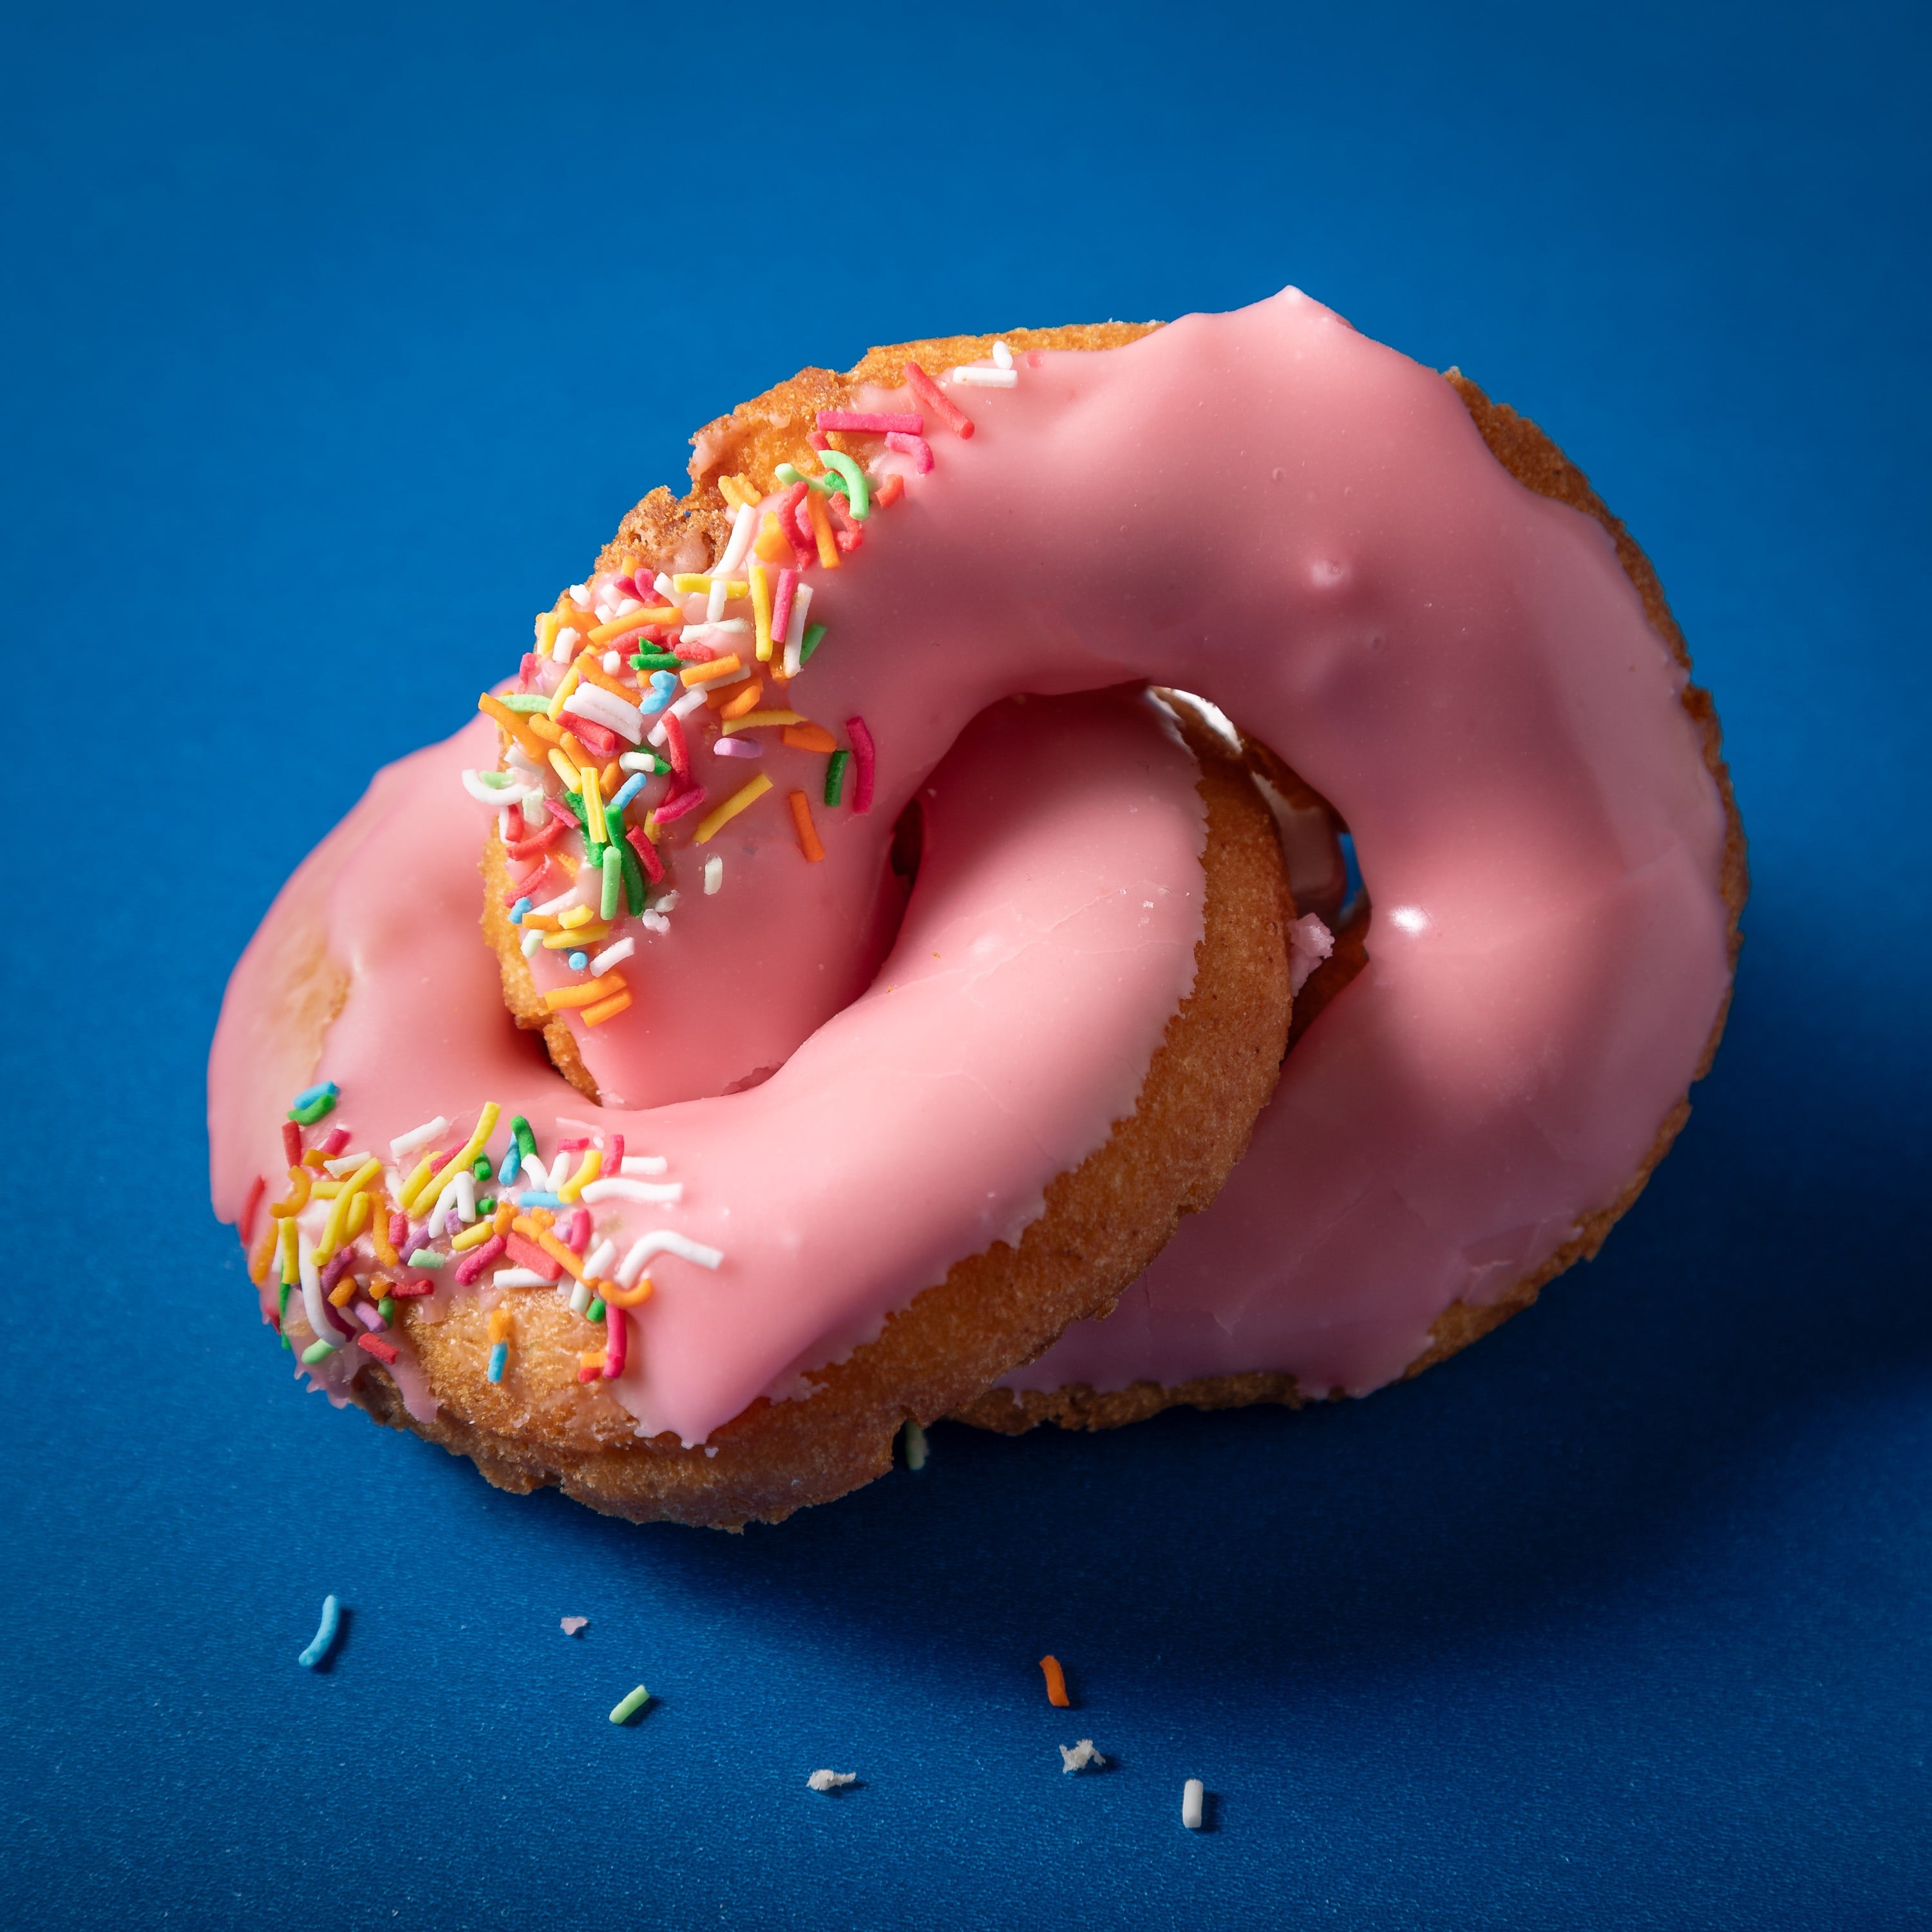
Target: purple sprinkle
column 337, row 1266
column 738, row 747
column 370, row 1317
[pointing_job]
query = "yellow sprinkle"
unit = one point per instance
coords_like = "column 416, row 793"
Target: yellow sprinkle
column 575, row 935
column 684, row 584
column 761, row 611
column 593, row 802
column 754, row 721
column 291, row 1269
column 407, row 1192
column 548, row 625
column 573, row 916
column 332, row 1228
column 570, row 678
column 461, row 1159
column 712, row 821
column 359, row 1215
column 473, row 1236
column 563, row 768
column 733, row 489
column 593, row 1163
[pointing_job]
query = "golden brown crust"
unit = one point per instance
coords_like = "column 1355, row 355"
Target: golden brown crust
column 1103, row 1223
column 1536, row 462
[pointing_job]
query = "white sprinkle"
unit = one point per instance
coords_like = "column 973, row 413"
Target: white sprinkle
column 570, row 1626
column 531, row 940
column 972, row 377
column 417, row 1137
column 625, row 605
column 519, row 1278
column 744, row 528
column 690, row 702
column 1191, row 1794
column 1002, row 356
column 579, row 1298
column 714, row 874
column 794, row 640
column 567, row 639
column 1309, row 942
column 535, row 1172
column 593, row 702
column 599, row 1258
column 558, row 904
column 348, row 1164
column 831, row 1780
column 612, row 662
column 602, row 611
column 915, row 1445
column 1077, row 1757
column 668, row 903
column 665, row 587
column 653, row 921
column 637, row 761
column 665, row 1191
column 638, row 1165
column 664, row 1241
column 520, row 759
column 480, row 787
column 609, row 956
column 580, row 596
column 731, row 630
column 311, row 1290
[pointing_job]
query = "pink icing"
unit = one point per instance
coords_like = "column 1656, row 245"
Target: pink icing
column 1048, row 941
column 1306, row 527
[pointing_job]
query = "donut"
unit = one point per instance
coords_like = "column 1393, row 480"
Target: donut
column 1084, row 1010
column 1264, row 508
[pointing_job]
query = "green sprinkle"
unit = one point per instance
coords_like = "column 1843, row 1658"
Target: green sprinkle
column 613, row 884
column 788, row 474
column 835, row 775
column 809, row 642
column 634, row 889
column 594, row 1313
column 482, row 1167
column 655, row 661
column 623, row 1712
column 524, row 701
column 283, row 1318
column 485, row 1207
column 317, row 1351
column 386, row 1308
column 855, row 481
column 428, row 1258
column 313, row 1102
column 527, row 1141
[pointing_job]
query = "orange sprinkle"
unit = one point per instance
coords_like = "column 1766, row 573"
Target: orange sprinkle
column 889, row 492
column 500, row 1325
column 541, row 922
column 635, row 620
column 378, row 1228
column 515, row 723
column 258, row 1266
column 596, row 674
column 747, row 699
column 590, row 1358
column 615, row 1297
column 726, row 666
column 807, row 833
column 567, row 1257
column 810, row 738
column 300, row 1180
column 606, row 1009
column 343, row 1293
column 771, row 544
column 821, row 529
column 1056, row 1684
column 542, row 728
column 586, row 992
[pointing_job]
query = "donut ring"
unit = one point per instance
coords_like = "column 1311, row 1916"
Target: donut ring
column 1516, row 760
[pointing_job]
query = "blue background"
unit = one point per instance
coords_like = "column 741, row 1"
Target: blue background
column 331, row 347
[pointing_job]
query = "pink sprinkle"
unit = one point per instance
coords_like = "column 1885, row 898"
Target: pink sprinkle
column 338, row 1139
column 399, row 1231
column 560, row 811
column 873, row 422
column 804, row 547
column 647, row 853
column 615, row 1344
column 573, row 1230
column 527, row 672
column 675, row 808
column 478, row 1259
column 941, row 405
column 865, row 756
column 575, row 1145
column 782, row 604
column 614, row 1155
column 733, row 748
column 674, row 744
column 916, row 447
column 816, row 440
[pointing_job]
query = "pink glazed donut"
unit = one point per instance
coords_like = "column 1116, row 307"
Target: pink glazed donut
column 1264, row 508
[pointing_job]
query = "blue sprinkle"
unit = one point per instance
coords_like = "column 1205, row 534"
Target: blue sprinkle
column 331, row 1619
column 663, row 687
column 516, row 911
column 539, row 1200
column 578, row 961
column 309, row 1095
column 499, row 1355
column 625, row 792
column 512, row 1161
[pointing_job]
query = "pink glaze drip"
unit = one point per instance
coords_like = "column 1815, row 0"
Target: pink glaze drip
column 1048, row 940
column 1304, row 526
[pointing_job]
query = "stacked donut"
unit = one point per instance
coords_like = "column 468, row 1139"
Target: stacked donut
column 882, row 968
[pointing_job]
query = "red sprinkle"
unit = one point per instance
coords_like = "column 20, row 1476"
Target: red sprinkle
column 292, row 1145
column 532, row 886
column 245, row 1227
column 597, row 739
column 816, row 440
column 528, row 848
column 377, row 1346
column 889, row 492
column 338, row 1139
column 478, row 1259
column 647, row 853
column 865, row 756
column 803, row 546
column 690, row 653
column 590, row 1375
column 680, row 752
column 937, row 401
column 527, row 1254
column 677, row 806
column 872, row 422
column 782, row 605
column 615, row 1345
column 408, row 1291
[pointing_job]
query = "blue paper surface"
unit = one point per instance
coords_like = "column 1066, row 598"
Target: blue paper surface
column 334, row 343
